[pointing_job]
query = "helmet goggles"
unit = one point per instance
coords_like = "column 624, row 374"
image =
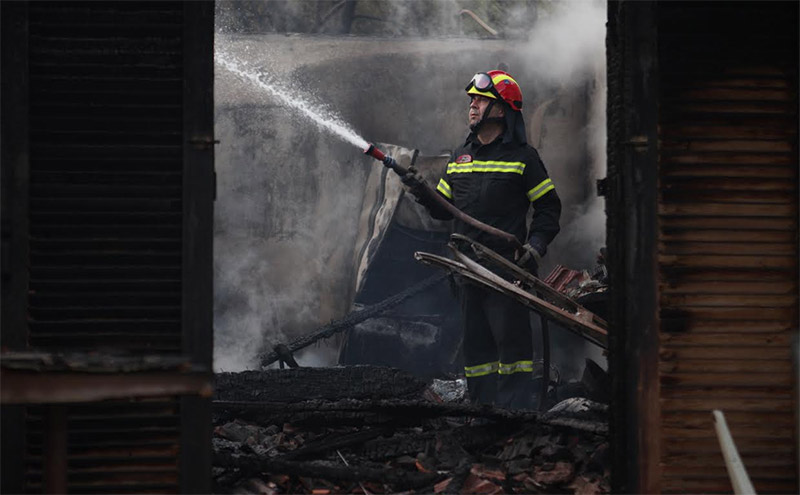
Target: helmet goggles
column 483, row 83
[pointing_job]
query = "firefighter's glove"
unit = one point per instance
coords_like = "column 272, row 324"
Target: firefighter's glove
column 531, row 255
column 415, row 183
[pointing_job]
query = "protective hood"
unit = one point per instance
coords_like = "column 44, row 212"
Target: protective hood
column 515, row 128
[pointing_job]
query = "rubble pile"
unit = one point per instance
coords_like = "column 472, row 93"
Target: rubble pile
column 365, row 429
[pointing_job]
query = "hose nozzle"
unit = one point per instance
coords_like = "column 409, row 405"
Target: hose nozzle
column 386, row 159
column 374, row 152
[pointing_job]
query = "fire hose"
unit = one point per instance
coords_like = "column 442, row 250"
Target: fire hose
column 391, row 163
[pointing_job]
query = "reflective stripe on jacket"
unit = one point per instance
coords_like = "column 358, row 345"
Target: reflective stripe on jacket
column 497, row 183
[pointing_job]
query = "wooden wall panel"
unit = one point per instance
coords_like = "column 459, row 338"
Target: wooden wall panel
column 728, row 242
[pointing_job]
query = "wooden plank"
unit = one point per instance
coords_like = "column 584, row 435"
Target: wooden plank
column 741, row 69
column 730, row 287
column 726, row 352
column 727, row 366
column 718, row 81
column 729, row 158
column 730, row 82
column 709, row 195
column 709, row 467
column 735, row 419
column 728, row 405
column 785, row 314
column 714, row 341
column 706, row 170
column 728, row 210
column 729, row 300
column 732, row 328
column 720, row 261
column 726, row 380
column 672, row 122
column 726, row 145
column 743, row 131
column 758, row 94
column 715, row 196
column 776, row 432
column 746, row 446
column 726, row 184
column 729, row 393
column 677, row 277
column 682, row 485
column 738, row 235
column 727, row 248
column 738, row 108
column 725, row 223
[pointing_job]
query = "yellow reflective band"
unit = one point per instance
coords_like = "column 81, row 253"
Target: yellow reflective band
column 485, row 166
column 481, row 369
column 444, row 188
column 540, row 190
column 518, row 367
column 502, row 77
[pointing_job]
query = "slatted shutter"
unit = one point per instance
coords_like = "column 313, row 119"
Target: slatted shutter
column 727, row 241
column 105, row 176
column 114, row 246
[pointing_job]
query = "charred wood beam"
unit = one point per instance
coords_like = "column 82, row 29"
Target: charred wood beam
column 252, row 465
column 350, row 320
column 303, row 384
column 393, row 411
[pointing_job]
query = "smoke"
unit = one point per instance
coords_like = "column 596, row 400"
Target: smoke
column 567, row 51
column 568, row 43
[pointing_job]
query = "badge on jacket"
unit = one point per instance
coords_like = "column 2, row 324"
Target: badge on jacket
column 464, row 159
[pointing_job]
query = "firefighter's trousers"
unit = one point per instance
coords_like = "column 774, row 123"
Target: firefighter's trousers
column 498, row 349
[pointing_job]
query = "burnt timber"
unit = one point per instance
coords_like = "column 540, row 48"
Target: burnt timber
column 396, row 435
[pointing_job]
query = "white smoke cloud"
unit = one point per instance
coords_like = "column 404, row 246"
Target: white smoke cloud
column 568, row 42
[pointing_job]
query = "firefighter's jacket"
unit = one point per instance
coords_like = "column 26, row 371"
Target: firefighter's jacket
column 497, row 183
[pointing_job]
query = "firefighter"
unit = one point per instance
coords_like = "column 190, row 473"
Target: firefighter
column 496, row 177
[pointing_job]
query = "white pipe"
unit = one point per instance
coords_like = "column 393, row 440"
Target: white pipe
column 736, row 471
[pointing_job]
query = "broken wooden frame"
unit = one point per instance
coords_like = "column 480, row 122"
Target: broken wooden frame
column 559, row 308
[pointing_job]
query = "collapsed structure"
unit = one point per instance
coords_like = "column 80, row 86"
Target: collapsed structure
column 380, row 430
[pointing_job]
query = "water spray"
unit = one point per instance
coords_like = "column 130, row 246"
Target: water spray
column 340, row 129
column 432, row 195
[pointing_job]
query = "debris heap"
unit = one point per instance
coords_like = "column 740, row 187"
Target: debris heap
column 366, row 429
